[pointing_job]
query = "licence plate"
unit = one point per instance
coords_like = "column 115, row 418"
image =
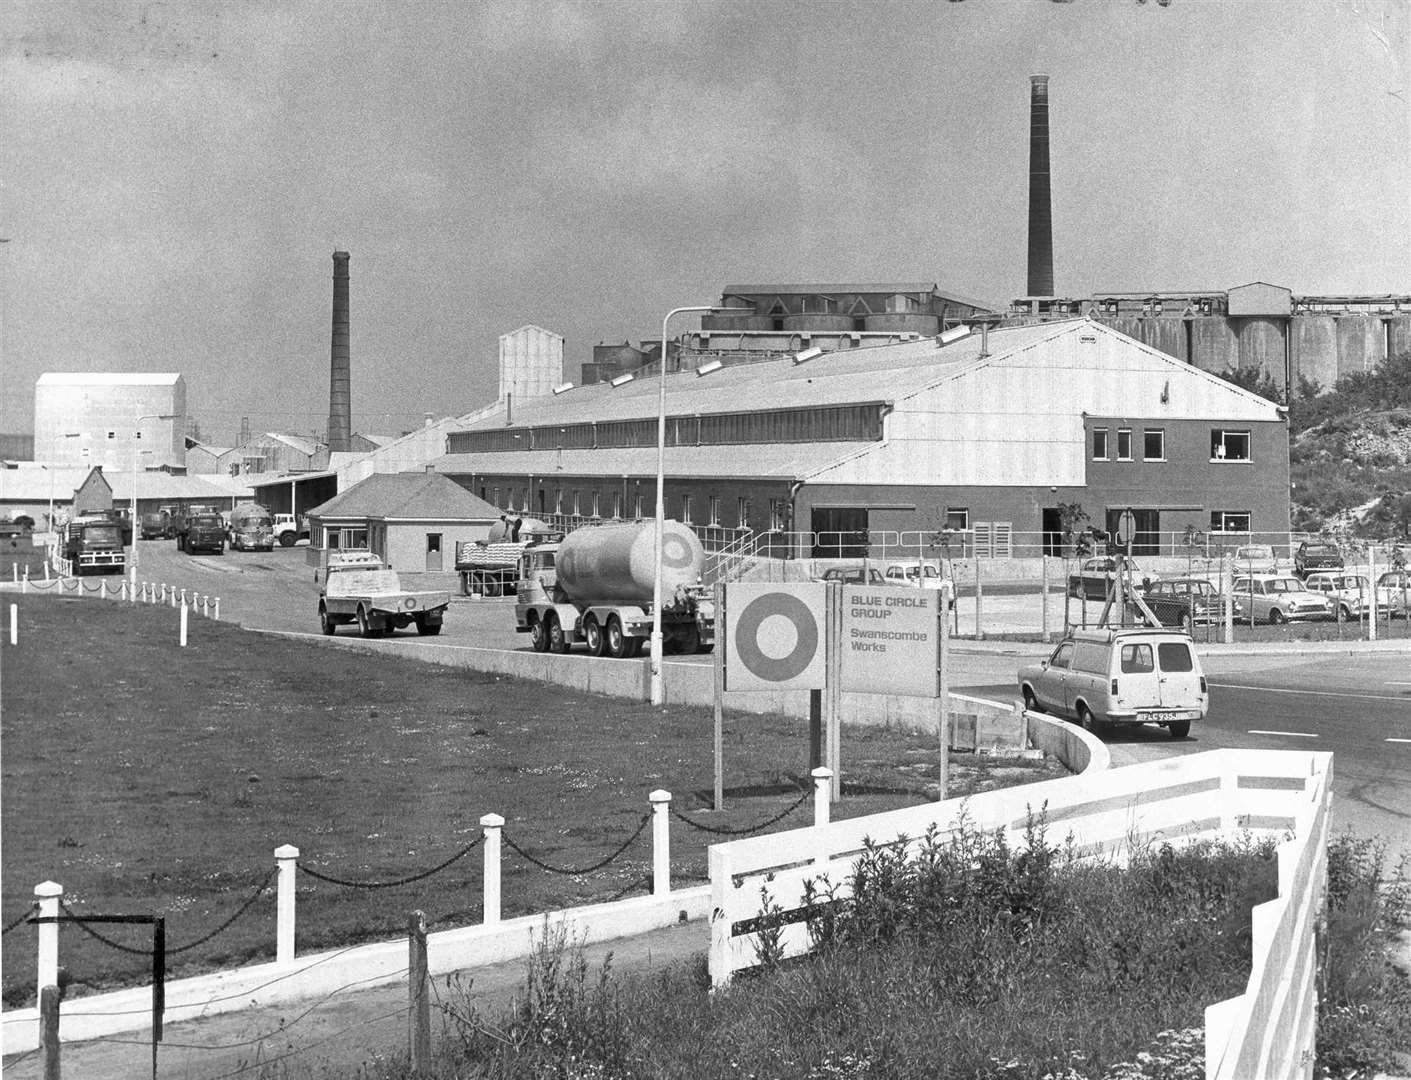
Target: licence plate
column 1162, row 717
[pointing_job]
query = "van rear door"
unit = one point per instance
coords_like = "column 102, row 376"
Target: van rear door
column 1138, row 681
column 1179, row 675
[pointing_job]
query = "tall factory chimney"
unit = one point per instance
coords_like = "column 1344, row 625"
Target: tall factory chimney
column 1040, row 207
column 340, row 402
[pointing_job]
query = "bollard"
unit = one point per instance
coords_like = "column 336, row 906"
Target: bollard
column 216, row 616
column 102, row 588
column 183, row 624
column 183, row 597
column 14, row 624
column 661, row 842
column 287, row 859
column 48, row 893
column 822, row 789
column 46, row 570
column 979, row 603
column 24, row 585
column 492, row 824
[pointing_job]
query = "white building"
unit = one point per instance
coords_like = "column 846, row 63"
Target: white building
column 100, row 418
column 531, row 362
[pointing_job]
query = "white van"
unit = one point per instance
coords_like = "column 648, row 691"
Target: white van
column 1105, row 677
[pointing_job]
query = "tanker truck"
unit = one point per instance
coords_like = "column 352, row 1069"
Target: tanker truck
column 595, row 586
column 250, row 528
column 490, row 567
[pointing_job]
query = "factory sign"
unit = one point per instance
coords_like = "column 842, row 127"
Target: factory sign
column 889, row 640
column 775, row 637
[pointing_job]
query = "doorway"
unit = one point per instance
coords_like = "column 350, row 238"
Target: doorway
column 840, row 532
column 433, row 553
column 1052, row 531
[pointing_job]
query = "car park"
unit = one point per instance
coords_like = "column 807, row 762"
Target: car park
column 1095, row 577
column 1348, row 591
column 1314, row 555
column 1107, row 677
column 1256, row 559
column 853, row 575
column 1279, row 598
column 1394, row 594
column 1185, row 601
column 925, row 574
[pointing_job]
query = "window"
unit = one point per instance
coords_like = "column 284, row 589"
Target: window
column 777, row 514
column 1124, row 444
column 114, row 435
column 617, row 505
column 1100, row 444
column 637, row 506
column 577, row 502
column 714, row 506
column 1175, row 656
column 1062, row 656
column 558, row 500
column 1229, row 521
column 957, row 518
column 686, row 509
column 1136, row 659
column 496, row 500
column 743, row 513
column 593, row 504
column 1229, row 445
column 1154, row 444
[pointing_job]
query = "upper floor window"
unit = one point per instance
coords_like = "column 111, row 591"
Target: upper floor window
column 714, row 506
column 1229, row 445
column 1154, row 444
column 686, row 509
column 1100, row 444
column 777, row 514
column 742, row 519
column 957, row 518
column 1124, row 444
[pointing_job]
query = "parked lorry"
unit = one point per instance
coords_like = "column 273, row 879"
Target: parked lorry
column 200, row 528
column 490, row 567
column 289, row 529
column 250, row 527
column 92, row 544
column 156, row 525
column 358, row 588
column 595, row 586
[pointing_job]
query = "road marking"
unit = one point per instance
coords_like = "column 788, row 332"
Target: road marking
column 1311, row 693
column 1399, row 740
column 1290, row 734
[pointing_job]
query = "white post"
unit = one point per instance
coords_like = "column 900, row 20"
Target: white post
column 1044, row 605
column 15, row 572
column 48, row 893
column 183, row 597
column 661, row 842
column 14, row 624
column 216, row 616
column 1372, row 589
column 286, row 858
column 492, row 824
column 183, row 623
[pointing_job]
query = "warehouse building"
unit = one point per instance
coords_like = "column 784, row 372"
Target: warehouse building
column 996, row 434
column 111, row 419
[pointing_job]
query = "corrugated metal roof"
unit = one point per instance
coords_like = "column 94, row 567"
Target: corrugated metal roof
column 107, row 378
column 791, row 461
column 419, row 495
column 301, row 443
column 826, row 290
column 33, row 485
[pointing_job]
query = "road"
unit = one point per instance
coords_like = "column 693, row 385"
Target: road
column 1356, row 704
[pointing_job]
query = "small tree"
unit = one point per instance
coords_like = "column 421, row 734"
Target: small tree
column 1071, row 516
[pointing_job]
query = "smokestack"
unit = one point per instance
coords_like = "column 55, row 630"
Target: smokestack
column 1040, row 207
column 340, row 402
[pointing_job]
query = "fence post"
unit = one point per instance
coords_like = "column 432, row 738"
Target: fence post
column 1044, row 558
column 216, row 616
column 419, row 1018
column 47, row 893
column 661, row 842
column 492, row 824
column 14, row 624
column 979, row 603
column 822, row 792
column 49, row 997
column 286, row 857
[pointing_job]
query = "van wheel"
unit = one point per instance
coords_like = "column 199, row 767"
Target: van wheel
column 1276, row 616
column 365, row 627
column 1030, row 702
column 594, row 637
column 1090, row 723
column 326, row 622
column 1179, row 728
column 539, row 635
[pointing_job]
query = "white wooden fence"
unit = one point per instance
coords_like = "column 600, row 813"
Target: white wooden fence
column 1266, row 1032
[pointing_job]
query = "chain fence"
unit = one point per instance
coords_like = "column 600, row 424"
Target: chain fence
column 721, row 830
column 462, row 853
column 568, row 871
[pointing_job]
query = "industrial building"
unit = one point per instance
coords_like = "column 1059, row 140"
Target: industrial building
column 989, row 433
column 105, row 418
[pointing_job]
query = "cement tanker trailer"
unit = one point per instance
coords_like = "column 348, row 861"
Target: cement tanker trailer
column 595, row 586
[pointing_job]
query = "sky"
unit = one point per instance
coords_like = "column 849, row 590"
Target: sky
column 175, row 176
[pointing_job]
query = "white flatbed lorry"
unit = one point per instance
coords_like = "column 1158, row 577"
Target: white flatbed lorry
column 359, row 589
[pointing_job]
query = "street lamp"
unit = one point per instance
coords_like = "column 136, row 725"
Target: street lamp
column 136, row 528
column 657, row 695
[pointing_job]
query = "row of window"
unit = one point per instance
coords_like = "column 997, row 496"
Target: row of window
column 580, row 503
column 1225, row 445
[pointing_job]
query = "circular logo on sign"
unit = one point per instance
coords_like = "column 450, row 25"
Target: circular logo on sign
column 783, row 668
column 675, row 552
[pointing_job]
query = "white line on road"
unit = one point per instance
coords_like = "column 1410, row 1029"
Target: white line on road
column 1311, row 693
column 1290, row 734
column 1399, row 740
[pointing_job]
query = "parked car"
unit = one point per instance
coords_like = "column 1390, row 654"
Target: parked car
column 1095, row 575
column 1316, row 555
column 853, row 575
column 914, row 573
column 1394, row 594
column 1185, row 601
column 1348, row 591
column 1278, row 598
column 1105, row 677
column 1256, row 559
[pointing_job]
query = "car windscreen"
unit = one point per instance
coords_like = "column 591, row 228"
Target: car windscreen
column 1284, row 584
column 101, row 534
column 1175, row 656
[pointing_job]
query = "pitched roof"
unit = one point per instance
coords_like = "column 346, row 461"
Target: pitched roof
column 409, row 495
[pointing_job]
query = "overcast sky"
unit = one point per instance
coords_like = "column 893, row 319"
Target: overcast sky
column 176, row 176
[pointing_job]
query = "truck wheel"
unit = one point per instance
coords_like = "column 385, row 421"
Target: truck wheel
column 690, row 641
column 635, row 645
column 426, row 628
column 617, row 642
column 364, row 627
column 558, row 640
column 286, row 539
column 492, row 587
column 1179, row 728
column 539, row 635
column 326, row 622
column 594, row 637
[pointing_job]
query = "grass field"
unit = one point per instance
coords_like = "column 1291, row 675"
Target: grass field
column 146, row 778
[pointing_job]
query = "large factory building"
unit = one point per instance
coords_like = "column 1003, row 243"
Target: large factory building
column 991, row 433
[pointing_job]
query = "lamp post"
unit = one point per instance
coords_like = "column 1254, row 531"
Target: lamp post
column 136, row 527
column 657, row 694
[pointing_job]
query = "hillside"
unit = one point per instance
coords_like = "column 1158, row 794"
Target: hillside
column 1350, row 452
